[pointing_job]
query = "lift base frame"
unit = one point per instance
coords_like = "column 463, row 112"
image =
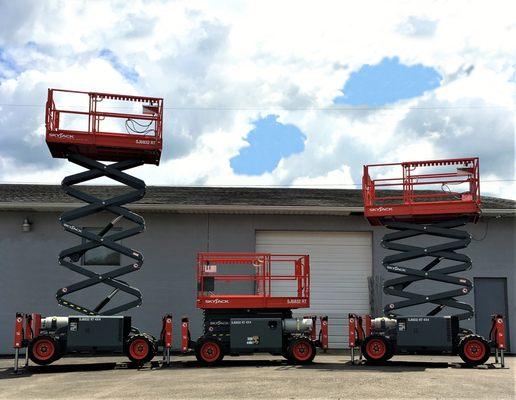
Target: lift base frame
column 249, row 331
column 87, row 335
column 360, row 329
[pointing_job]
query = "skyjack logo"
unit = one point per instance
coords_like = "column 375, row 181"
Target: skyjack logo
column 380, row 209
column 60, row 136
column 216, row 301
column 396, row 268
column 72, row 227
column 217, row 323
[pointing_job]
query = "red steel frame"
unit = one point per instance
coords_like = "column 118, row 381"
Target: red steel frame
column 263, row 278
column 497, row 336
column 26, row 328
column 166, row 337
column 322, row 338
column 426, row 203
column 497, row 333
column 104, row 145
column 356, row 331
column 166, row 331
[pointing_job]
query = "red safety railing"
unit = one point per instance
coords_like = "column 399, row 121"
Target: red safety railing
column 99, row 129
column 420, row 189
column 267, row 280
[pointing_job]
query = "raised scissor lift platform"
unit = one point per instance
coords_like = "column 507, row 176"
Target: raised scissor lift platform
column 421, row 191
column 104, row 126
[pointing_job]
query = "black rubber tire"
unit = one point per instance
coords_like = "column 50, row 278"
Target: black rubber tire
column 296, row 351
column 389, row 356
column 474, row 350
column 41, row 345
column 140, row 348
column 377, row 349
column 204, row 348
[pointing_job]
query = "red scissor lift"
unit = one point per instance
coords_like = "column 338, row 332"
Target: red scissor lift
column 247, row 300
column 423, row 204
column 125, row 130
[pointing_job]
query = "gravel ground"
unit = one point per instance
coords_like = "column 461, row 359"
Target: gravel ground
column 263, row 377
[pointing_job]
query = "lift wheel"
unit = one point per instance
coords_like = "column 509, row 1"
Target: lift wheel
column 44, row 350
column 208, row 351
column 141, row 348
column 474, row 350
column 301, row 351
column 377, row 349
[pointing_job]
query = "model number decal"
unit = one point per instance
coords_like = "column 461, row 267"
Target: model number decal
column 241, row 322
column 296, row 301
column 140, row 141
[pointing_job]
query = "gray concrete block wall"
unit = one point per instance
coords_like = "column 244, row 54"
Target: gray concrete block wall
column 31, row 275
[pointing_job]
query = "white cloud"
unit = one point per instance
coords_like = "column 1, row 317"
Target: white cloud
column 342, row 175
column 250, row 55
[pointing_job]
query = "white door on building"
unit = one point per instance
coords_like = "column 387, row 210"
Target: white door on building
column 340, row 265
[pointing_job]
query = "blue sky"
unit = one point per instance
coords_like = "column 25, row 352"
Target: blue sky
column 269, row 141
column 387, row 82
column 372, row 85
column 8, row 66
column 128, row 72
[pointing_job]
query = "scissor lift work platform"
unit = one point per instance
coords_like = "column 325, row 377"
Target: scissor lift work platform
column 247, row 300
column 104, row 126
column 422, row 191
column 217, row 268
column 423, row 204
column 125, row 130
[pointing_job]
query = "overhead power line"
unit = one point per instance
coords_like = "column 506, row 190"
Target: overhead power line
column 271, row 185
column 286, row 108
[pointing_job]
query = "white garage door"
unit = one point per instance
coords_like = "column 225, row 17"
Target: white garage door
column 340, row 264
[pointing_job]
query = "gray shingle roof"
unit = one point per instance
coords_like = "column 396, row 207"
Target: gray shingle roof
column 211, row 196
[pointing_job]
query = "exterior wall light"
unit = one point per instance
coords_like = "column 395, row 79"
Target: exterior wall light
column 26, row 225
